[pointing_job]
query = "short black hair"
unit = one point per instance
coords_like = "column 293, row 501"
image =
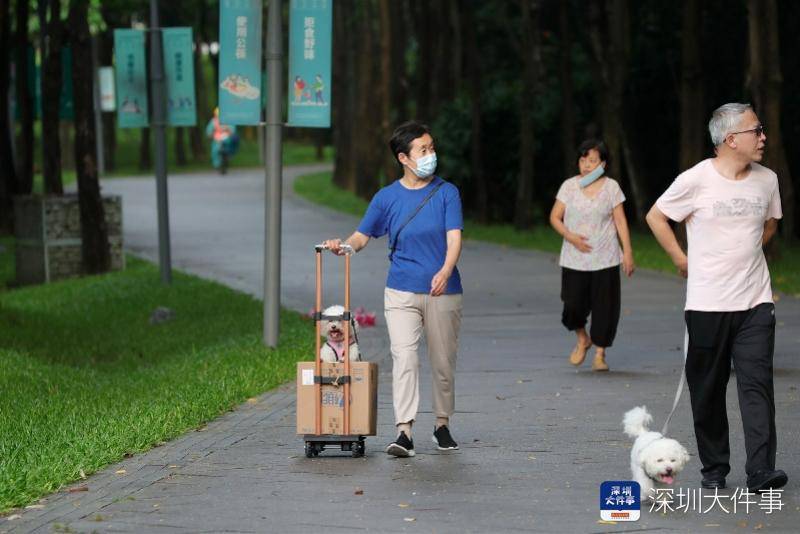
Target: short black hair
column 403, row 135
column 596, row 144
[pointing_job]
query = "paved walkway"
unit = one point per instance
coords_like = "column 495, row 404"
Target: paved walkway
column 537, row 437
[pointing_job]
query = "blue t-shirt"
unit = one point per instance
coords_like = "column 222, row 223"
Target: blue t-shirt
column 422, row 246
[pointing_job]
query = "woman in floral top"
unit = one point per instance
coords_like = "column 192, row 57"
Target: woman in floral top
column 591, row 219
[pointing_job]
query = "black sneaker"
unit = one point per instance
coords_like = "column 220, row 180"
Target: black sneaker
column 443, row 440
column 713, row 482
column 402, row 447
column 764, row 480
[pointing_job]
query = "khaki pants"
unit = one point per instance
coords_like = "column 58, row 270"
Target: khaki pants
column 407, row 314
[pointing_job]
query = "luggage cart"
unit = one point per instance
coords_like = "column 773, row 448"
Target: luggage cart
column 317, row 442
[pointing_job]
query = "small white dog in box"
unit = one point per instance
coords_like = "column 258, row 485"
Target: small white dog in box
column 655, row 460
column 333, row 349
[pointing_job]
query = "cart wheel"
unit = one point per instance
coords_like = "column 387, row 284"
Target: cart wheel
column 309, row 449
column 358, row 449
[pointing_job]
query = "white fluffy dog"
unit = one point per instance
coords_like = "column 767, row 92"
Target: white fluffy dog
column 333, row 349
column 655, row 460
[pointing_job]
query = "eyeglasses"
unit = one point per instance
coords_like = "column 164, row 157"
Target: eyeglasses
column 758, row 130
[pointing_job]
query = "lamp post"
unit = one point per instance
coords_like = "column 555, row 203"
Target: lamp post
column 273, row 168
column 157, row 83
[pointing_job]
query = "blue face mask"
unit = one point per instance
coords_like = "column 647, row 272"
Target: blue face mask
column 593, row 176
column 425, row 165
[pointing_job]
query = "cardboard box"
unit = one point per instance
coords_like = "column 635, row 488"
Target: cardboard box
column 363, row 394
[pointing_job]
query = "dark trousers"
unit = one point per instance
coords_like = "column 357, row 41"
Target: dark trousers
column 747, row 338
column 595, row 292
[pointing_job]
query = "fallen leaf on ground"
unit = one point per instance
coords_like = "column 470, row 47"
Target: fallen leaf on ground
column 758, row 527
column 172, row 466
column 359, row 491
column 409, row 519
column 252, row 400
column 120, row 472
column 742, row 524
column 403, row 505
column 498, row 397
column 79, row 488
column 531, row 457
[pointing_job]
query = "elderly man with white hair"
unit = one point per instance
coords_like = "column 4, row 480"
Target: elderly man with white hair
column 730, row 204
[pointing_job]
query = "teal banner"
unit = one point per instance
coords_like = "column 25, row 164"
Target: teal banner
column 131, row 79
column 240, row 61
column 179, row 70
column 310, row 33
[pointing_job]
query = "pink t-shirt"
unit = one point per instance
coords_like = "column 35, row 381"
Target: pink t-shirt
column 724, row 226
column 591, row 217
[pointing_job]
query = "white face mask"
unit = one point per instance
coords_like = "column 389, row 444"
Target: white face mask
column 425, row 165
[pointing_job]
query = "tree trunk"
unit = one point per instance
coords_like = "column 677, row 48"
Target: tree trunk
column 531, row 56
column 367, row 139
column 693, row 114
column 145, row 163
column 766, row 81
column 52, row 80
column 25, row 104
column 7, row 171
column 422, row 26
column 94, row 232
column 473, row 68
column 386, row 33
column 399, row 12
column 568, row 144
column 180, row 147
column 343, row 94
column 611, row 54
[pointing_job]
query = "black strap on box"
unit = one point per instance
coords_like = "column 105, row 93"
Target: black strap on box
column 332, row 380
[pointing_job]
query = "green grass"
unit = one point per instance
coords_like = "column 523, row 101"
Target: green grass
column 319, row 188
column 648, row 254
column 85, row 379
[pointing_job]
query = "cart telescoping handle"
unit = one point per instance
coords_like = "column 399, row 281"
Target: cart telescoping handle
column 348, row 252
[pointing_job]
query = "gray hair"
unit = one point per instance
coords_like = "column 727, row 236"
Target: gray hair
column 724, row 119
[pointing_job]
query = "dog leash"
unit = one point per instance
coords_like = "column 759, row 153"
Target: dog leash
column 681, row 383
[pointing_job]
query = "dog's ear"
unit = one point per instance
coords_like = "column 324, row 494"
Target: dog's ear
column 684, row 456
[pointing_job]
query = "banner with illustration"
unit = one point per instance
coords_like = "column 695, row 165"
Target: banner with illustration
column 179, row 71
column 240, row 61
column 131, row 79
column 310, row 33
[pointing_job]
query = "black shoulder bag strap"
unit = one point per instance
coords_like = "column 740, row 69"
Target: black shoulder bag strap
column 413, row 214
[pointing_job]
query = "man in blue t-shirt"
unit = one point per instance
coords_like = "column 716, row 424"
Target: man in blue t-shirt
column 421, row 214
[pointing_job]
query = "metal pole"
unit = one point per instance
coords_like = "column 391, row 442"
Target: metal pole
column 98, row 113
column 158, row 126
column 272, row 212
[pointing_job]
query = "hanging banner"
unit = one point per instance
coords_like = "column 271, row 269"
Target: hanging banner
column 179, row 71
column 310, row 33
column 131, row 79
column 240, row 61
column 108, row 98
